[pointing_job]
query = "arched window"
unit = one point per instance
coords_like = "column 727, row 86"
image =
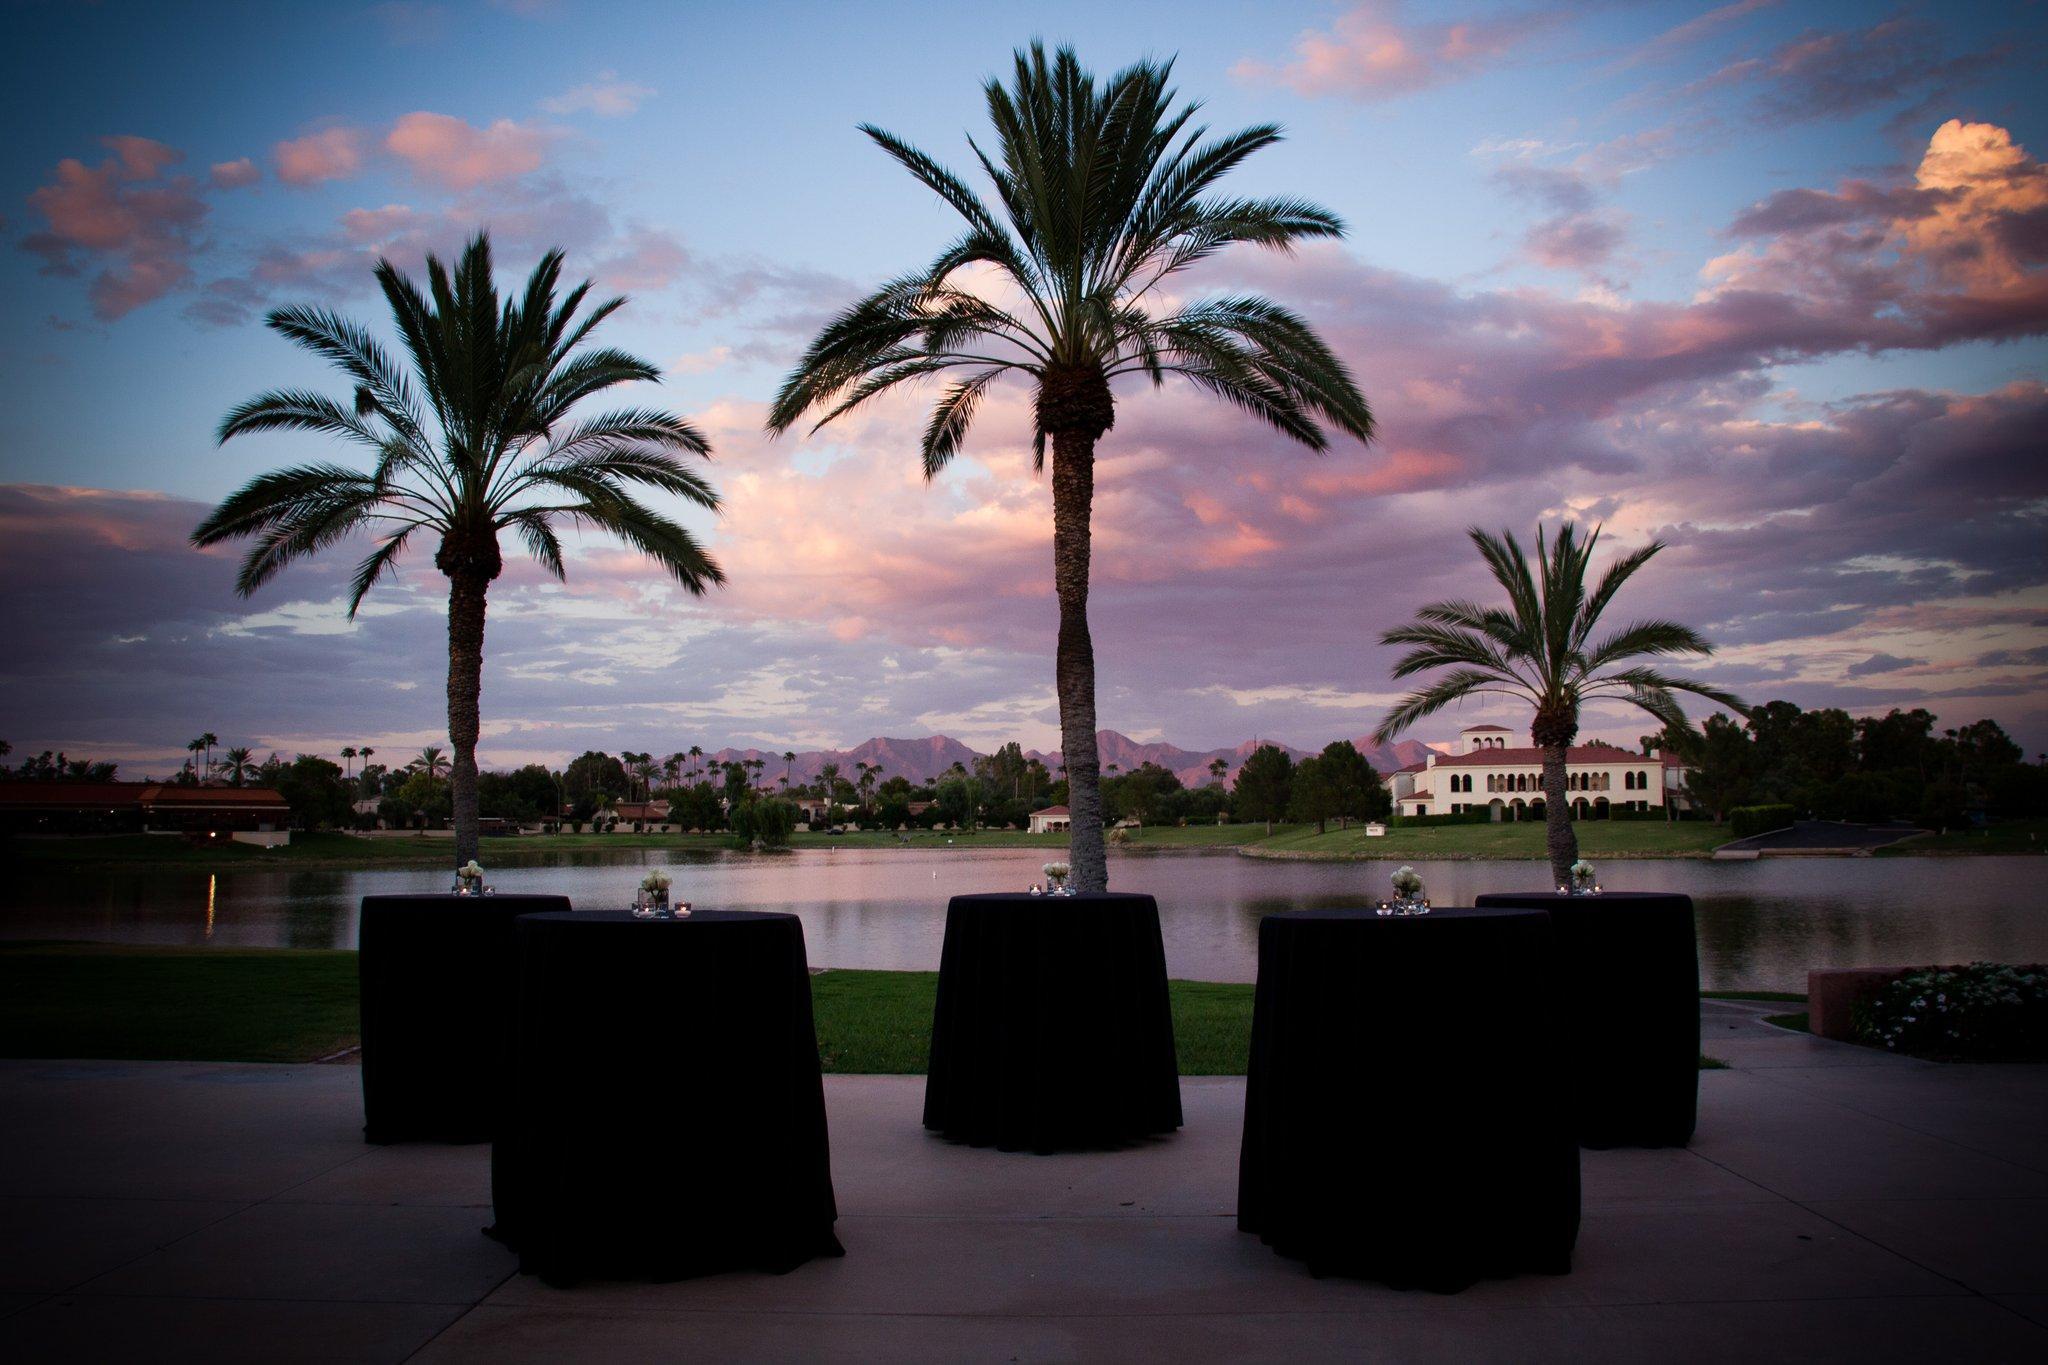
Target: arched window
column 1642, row 782
column 1628, row 781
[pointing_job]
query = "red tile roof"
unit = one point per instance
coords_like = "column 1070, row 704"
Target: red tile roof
column 114, row 795
column 1578, row 753
column 1053, row 810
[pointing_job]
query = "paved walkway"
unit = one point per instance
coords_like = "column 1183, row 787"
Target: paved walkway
column 1837, row 1204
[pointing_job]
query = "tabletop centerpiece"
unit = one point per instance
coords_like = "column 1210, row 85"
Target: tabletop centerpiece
column 1056, row 874
column 1581, row 882
column 469, row 879
column 653, row 900
column 1408, row 897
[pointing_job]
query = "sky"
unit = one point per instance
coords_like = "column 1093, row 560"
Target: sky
column 1767, row 281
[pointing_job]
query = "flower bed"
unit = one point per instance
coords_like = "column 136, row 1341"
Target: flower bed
column 1986, row 1011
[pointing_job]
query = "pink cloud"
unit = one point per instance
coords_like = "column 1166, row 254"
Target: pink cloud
column 1372, row 53
column 234, row 175
column 446, row 151
column 124, row 214
column 330, row 154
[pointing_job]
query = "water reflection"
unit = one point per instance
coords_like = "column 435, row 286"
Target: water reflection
column 1761, row 924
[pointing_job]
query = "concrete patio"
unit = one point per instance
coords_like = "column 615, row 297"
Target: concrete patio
column 1837, row 1204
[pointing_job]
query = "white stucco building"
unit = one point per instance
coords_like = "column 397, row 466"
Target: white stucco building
column 1051, row 820
column 1487, row 770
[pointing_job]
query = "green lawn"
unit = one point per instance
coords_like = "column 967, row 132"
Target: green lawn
column 2005, row 836
column 1597, row 839
column 87, row 1000
column 184, row 1004
column 351, row 851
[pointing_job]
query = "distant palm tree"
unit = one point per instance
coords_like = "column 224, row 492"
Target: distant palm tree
column 471, row 439
column 364, row 754
column 1540, row 649
column 788, row 762
column 672, row 770
column 828, row 783
column 696, row 755
column 238, row 765
column 208, row 740
column 431, row 761
column 1103, row 194
column 1217, row 768
column 348, row 754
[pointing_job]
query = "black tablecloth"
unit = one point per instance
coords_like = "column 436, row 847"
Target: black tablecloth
column 667, row 1117
column 1052, row 1028
column 438, row 978
column 1405, row 1117
column 1628, row 976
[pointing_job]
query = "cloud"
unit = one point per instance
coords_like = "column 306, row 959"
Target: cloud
column 446, row 151
column 607, row 96
column 329, row 154
column 1880, row 663
column 1372, row 52
column 1694, row 30
column 234, row 175
column 124, row 214
column 1897, row 63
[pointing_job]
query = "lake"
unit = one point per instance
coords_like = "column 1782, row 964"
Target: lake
column 1761, row 924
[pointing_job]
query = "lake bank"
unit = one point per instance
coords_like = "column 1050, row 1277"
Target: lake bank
column 1507, row 842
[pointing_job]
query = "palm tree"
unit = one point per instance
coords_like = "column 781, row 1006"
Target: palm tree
column 209, row 739
column 471, row 439
column 364, row 753
column 788, row 764
column 1103, row 192
column 195, row 748
column 1217, row 768
column 348, row 755
column 431, row 761
column 697, row 754
column 828, row 784
column 238, row 764
column 672, row 770
column 1540, row 649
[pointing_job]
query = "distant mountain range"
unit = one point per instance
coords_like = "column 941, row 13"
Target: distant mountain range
column 923, row 760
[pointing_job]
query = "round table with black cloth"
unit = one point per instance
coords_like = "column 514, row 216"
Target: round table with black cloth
column 1052, row 1029
column 1405, row 1118
column 1628, row 979
column 667, row 1117
column 438, row 979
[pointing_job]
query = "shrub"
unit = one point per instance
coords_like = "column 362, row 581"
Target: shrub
column 1747, row 820
column 1982, row 1012
column 1481, row 816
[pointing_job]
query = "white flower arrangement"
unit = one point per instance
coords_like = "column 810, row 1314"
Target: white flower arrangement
column 1056, row 874
column 471, row 871
column 655, row 881
column 1582, row 877
column 1407, row 882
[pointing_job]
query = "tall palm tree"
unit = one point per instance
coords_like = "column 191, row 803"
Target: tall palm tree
column 195, row 748
column 238, row 764
column 364, row 753
column 696, row 756
column 348, row 758
column 432, row 761
column 828, row 783
column 209, row 739
column 1540, row 649
column 471, row 438
column 672, row 770
column 788, row 765
column 1102, row 194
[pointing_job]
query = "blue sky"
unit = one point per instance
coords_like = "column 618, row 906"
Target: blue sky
column 1566, row 167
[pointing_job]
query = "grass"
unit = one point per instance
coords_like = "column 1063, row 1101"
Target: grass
column 1523, row 839
column 182, row 1004
column 90, row 1000
column 2006, row 836
column 336, row 851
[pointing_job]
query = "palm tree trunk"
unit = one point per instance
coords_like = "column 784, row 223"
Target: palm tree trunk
column 1073, row 496
column 466, row 590
column 1559, row 837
